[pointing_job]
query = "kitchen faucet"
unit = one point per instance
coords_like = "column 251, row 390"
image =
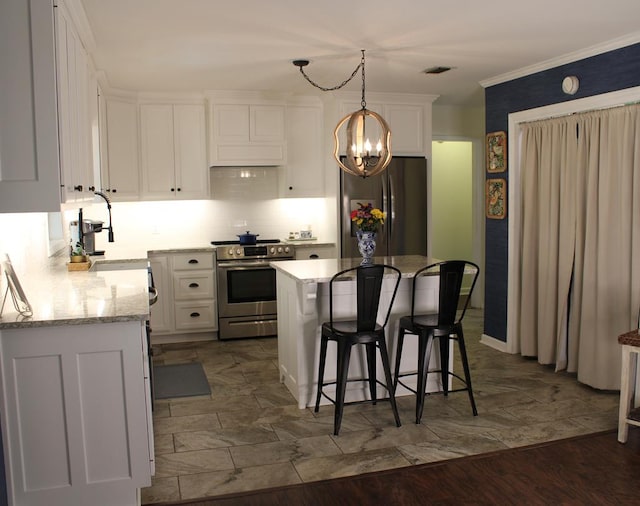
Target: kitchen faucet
column 108, row 201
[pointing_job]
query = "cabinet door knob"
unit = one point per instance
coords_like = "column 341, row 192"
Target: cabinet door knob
column 194, row 315
column 193, row 261
column 78, row 188
column 193, row 285
column 291, row 187
column 179, row 189
column 173, row 189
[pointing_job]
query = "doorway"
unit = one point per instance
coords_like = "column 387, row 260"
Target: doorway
column 456, row 205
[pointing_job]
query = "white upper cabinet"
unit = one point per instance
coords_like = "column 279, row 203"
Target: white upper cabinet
column 407, row 126
column 407, row 118
column 29, row 164
column 173, row 152
column 266, row 123
column 247, row 133
column 120, row 172
column 303, row 172
column 77, row 99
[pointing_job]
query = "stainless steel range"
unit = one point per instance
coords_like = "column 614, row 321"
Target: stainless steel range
column 247, row 287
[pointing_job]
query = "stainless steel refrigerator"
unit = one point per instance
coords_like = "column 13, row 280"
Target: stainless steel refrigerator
column 400, row 191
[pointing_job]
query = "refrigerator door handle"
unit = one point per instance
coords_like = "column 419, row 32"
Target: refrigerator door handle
column 391, row 204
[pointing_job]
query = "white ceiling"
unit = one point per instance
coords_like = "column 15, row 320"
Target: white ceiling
column 196, row 45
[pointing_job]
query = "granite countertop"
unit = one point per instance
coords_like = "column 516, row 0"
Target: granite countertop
column 60, row 297
column 195, row 249
column 322, row 270
column 308, row 243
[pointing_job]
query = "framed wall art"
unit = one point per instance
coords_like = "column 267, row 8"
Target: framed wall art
column 496, row 152
column 496, row 198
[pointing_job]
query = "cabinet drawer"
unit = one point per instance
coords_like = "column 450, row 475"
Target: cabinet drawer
column 185, row 261
column 193, row 285
column 195, row 315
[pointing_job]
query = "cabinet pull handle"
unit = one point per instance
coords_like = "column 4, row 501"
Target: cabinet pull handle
column 193, row 261
column 194, row 315
column 193, row 285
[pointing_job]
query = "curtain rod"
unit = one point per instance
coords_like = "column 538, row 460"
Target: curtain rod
column 588, row 111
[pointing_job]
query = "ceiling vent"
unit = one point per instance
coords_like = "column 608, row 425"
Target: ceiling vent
column 436, row 70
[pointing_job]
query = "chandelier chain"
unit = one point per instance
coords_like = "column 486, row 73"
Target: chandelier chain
column 343, row 83
column 363, row 102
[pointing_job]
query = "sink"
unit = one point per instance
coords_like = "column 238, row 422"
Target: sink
column 124, row 265
column 118, row 265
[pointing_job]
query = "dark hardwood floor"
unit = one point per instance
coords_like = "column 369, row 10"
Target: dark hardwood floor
column 588, row 470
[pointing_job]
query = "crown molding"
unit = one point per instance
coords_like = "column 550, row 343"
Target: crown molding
column 81, row 22
column 627, row 40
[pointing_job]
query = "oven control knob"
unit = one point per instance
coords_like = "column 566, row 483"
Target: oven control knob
column 231, row 251
column 286, row 249
column 279, row 249
column 272, row 250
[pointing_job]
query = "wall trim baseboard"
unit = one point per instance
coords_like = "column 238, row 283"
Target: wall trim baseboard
column 494, row 343
column 183, row 338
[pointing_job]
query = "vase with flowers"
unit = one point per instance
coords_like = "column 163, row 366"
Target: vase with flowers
column 367, row 219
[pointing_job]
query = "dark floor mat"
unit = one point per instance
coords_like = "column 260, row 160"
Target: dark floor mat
column 179, row 380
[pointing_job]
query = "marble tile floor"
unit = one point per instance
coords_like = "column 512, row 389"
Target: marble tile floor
column 249, row 433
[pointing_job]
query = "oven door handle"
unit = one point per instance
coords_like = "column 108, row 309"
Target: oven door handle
column 242, row 264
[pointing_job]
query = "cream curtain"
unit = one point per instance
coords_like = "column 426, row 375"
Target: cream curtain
column 580, row 241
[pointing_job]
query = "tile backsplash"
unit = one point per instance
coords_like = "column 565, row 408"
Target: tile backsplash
column 241, row 199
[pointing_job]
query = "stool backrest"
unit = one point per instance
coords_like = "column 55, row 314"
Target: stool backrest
column 451, row 274
column 369, row 279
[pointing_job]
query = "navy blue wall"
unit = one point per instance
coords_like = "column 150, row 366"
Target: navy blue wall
column 611, row 71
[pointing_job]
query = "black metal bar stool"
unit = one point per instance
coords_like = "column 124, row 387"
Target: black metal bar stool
column 363, row 330
column 445, row 324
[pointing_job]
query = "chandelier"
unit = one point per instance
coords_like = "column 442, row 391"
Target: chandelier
column 361, row 157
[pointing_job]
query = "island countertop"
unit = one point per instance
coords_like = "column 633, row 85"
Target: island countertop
column 322, row 270
column 60, row 297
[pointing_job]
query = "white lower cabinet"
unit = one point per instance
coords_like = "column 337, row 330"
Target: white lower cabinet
column 76, row 414
column 186, row 284
column 161, row 311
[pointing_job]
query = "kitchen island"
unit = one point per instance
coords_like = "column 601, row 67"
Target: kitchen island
column 75, row 387
column 303, row 305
